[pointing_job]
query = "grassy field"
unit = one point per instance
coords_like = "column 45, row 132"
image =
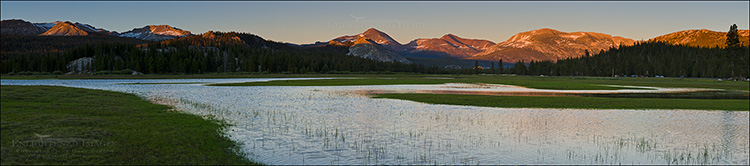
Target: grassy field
column 562, row 83
column 60, row 125
column 574, row 102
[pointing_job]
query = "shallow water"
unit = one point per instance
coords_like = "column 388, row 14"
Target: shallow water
column 339, row 125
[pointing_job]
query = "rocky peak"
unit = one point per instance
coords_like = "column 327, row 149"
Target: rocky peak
column 364, row 40
column 209, row 35
column 450, row 37
column 375, row 35
column 65, row 29
column 167, row 30
column 379, row 37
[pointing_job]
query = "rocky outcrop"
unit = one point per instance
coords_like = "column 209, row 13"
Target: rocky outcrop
column 80, row 66
column 156, row 33
column 367, row 48
column 19, row 27
column 65, row 29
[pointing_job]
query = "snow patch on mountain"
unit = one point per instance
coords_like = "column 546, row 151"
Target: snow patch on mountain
column 47, row 25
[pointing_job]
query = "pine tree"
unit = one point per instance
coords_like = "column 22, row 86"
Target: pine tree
column 492, row 67
column 733, row 45
column 500, row 64
column 520, row 68
column 476, row 67
column 733, row 40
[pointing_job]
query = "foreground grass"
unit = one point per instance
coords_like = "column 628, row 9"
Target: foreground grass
column 60, row 125
column 562, row 83
column 574, row 102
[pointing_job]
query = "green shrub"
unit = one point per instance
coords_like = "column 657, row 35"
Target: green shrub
column 123, row 71
column 102, row 72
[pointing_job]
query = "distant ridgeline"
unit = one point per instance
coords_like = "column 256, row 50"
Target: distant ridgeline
column 693, row 53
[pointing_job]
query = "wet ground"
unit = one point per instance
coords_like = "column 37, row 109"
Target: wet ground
column 341, row 125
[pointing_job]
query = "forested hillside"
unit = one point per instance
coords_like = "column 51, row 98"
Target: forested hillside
column 218, row 52
column 16, row 44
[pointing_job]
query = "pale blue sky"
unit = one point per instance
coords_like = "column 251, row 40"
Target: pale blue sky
column 307, row 22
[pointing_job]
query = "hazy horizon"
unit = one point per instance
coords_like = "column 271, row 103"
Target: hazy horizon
column 308, row 22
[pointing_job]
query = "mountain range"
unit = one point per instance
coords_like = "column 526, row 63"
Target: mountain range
column 67, row 28
column 537, row 45
column 448, row 45
column 550, row 44
column 541, row 44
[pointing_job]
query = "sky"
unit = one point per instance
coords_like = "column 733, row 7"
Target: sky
column 308, row 22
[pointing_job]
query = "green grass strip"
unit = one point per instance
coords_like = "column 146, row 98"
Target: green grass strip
column 61, row 125
column 574, row 102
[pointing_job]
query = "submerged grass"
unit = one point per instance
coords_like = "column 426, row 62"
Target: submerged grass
column 157, row 83
column 424, row 80
column 60, row 125
column 574, row 102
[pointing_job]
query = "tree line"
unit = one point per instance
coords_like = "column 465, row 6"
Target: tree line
column 646, row 59
column 241, row 52
column 649, row 59
column 188, row 59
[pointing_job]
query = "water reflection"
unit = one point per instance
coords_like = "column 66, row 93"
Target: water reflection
column 338, row 125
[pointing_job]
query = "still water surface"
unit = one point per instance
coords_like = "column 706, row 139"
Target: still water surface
column 339, row 125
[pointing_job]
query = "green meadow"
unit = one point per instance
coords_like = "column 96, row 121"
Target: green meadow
column 60, row 125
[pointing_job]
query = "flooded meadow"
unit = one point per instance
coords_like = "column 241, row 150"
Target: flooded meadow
column 342, row 125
